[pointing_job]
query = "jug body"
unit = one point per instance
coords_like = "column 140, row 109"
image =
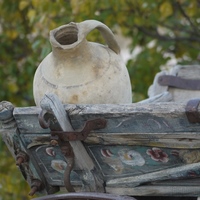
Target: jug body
column 82, row 72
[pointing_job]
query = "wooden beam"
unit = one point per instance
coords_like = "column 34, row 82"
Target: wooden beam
column 156, row 190
column 165, row 174
column 159, row 124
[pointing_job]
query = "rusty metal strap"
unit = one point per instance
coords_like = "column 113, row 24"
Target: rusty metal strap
column 177, row 82
column 81, row 135
column 192, row 112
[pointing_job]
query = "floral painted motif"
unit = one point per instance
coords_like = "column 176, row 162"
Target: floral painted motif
column 59, row 165
column 131, row 157
column 113, row 161
column 158, row 155
column 106, row 153
column 50, row 151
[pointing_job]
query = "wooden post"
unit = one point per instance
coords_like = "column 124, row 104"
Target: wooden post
column 8, row 126
column 52, row 104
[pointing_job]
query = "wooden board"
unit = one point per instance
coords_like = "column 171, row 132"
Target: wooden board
column 124, row 152
column 160, row 124
column 167, row 190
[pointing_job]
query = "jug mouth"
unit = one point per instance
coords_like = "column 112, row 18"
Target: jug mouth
column 64, row 35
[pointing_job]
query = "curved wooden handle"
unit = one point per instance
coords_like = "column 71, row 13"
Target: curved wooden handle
column 87, row 26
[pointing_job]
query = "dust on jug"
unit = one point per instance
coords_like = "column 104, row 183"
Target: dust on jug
column 83, row 72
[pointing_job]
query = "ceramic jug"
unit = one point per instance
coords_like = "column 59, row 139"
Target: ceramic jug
column 83, row 72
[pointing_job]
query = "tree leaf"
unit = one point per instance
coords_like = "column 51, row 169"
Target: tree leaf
column 12, row 34
column 166, row 9
column 31, row 14
column 23, row 5
column 13, row 88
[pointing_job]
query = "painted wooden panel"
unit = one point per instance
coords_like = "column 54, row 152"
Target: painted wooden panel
column 133, row 118
column 52, row 164
column 163, row 125
column 141, row 144
column 130, row 161
column 27, row 120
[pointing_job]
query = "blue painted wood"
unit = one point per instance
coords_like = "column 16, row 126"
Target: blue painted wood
column 137, row 141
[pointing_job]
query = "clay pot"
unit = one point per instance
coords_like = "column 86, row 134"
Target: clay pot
column 82, row 72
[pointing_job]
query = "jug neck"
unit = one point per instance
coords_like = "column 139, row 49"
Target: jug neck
column 63, row 53
column 67, row 39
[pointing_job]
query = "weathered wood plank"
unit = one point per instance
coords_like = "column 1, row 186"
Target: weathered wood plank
column 8, row 126
column 156, row 191
column 176, row 141
column 148, row 136
column 160, row 124
column 154, row 176
column 134, row 118
column 180, row 182
column 27, row 120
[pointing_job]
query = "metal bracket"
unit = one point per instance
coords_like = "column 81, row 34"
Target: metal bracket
column 192, row 112
column 54, row 117
column 81, row 135
column 66, row 150
column 177, row 82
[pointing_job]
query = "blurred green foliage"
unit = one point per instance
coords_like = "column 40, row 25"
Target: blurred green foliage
column 12, row 185
column 161, row 29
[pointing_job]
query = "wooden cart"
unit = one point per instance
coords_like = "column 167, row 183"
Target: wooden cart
column 105, row 151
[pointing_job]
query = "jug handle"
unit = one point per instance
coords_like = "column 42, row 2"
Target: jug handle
column 87, row 26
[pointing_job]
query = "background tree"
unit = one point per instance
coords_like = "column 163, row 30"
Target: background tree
column 161, row 29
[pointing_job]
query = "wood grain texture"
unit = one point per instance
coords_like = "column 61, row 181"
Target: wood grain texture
column 166, row 190
column 27, row 120
column 153, row 124
column 160, row 124
column 154, row 176
column 134, row 118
